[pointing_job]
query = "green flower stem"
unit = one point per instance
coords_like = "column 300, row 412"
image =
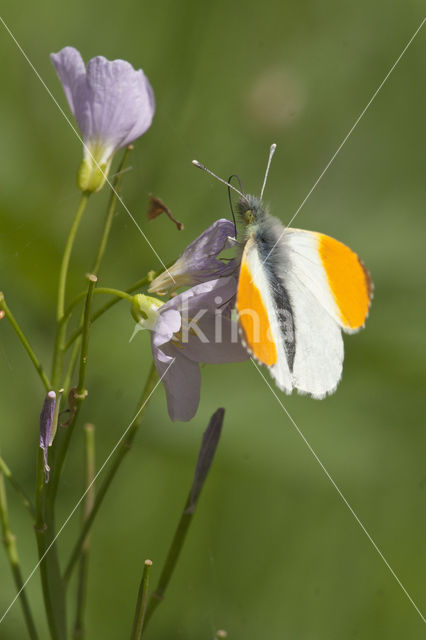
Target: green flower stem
column 79, row 630
column 4, row 469
column 59, row 351
column 141, row 602
column 52, row 586
column 80, row 394
column 71, row 365
column 119, row 295
column 103, row 290
column 25, row 343
column 137, row 285
column 9, row 542
column 62, row 318
column 122, row 449
column 85, row 338
column 171, row 560
column 67, row 254
column 62, row 314
column 205, row 458
column 110, row 211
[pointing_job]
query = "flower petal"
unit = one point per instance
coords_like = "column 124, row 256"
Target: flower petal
column 207, row 295
column 208, row 332
column 199, row 262
column 121, row 102
column 112, row 103
column 71, row 71
column 224, row 341
column 182, row 382
column 168, row 323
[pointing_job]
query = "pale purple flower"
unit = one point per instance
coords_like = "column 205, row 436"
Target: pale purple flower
column 199, row 262
column 46, row 424
column 197, row 326
column 112, row 103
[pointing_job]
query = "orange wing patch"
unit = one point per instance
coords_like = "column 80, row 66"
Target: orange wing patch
column 349, row 281
column 254, row 319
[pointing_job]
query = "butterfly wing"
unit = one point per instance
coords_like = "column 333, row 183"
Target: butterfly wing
column 330, row 289
column 318, row 360
column 259, row 317
column 307, row 289
column 332, row 272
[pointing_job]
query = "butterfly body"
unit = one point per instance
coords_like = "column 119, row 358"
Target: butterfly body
column 297, row 290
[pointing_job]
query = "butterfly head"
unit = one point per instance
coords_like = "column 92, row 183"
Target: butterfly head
column 250, row 211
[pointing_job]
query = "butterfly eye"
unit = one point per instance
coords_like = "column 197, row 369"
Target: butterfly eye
column 248, row 216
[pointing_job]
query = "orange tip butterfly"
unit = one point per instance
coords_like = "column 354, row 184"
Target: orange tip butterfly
column 297, row 290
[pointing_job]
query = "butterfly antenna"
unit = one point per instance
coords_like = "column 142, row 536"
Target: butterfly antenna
column 271, row 154
column 234, row 175
column 230, row 186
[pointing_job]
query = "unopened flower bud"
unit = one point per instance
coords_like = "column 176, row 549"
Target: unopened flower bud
column 46, row 424
column 145, row 310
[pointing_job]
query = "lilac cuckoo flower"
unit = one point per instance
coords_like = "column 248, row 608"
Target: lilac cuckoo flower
column 197, row 326
column 199, row 262
column 112, row 103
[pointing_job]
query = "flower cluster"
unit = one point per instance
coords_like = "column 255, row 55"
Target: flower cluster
column 113, row 105
column 196, row 326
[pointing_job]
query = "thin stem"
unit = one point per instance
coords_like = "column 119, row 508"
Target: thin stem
column 89, row 431
column 137, row 285
column 58, row 352
column 67, row 254
column 72, row 361
column 171, row 560
column 9, row 542
column 85, row 338
column 105, row 290
column 118, row 457
column 52, row 586
column 71, row 365
column 110, row 212
column 80, row 393
column 205, row 458
column 141, row 602
column 63, row 319
column 4, row 469
column 25, row 343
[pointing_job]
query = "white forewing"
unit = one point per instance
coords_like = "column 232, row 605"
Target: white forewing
column 302, row 258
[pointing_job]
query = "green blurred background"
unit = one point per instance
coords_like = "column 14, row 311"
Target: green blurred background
column 273, row 552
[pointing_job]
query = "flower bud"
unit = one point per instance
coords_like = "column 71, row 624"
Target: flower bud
column 93, row 170
column 145, row 310
column 46, row 424
column 200, row 261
